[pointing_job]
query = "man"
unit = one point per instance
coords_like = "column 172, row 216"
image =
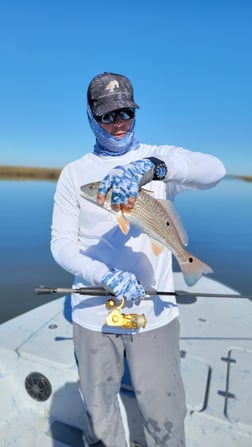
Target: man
column 87, row 242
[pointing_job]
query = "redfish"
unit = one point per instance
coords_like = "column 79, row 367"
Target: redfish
column 160, row 221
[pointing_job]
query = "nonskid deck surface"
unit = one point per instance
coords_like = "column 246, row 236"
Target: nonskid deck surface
column 216, row 363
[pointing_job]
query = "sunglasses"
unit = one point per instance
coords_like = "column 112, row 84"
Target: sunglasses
column 110, row 117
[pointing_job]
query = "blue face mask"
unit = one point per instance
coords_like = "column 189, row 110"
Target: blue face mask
column 107, row 144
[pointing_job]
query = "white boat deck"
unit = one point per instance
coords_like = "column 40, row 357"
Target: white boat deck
column 216, row 362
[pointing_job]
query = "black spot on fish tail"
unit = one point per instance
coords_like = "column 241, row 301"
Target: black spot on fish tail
column 193, row 269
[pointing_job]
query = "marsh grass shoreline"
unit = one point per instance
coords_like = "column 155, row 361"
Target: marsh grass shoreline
column 246, row 178
column 52, row 174
column 29, row 173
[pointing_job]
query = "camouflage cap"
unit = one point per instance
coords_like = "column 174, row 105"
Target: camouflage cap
column 110, row 91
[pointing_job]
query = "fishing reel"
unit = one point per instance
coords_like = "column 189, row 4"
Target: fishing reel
column 124, row 321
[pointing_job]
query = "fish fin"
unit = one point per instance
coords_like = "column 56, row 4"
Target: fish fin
column 170, row 209
column 124, row 224
column 193, row 269
column 156, row 247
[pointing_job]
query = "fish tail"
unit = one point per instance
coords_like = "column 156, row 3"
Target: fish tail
column 192, row 269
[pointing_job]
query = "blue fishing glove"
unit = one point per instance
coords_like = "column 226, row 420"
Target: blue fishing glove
column 123, row 283
column 126, row 180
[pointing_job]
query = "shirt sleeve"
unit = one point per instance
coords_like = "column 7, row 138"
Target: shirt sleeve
column 65, row 232
column 191, row 169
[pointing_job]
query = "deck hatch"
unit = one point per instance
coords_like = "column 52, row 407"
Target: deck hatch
column 239, row 384
column 196, row 376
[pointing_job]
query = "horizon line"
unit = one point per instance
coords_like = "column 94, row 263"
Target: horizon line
column 11, row 172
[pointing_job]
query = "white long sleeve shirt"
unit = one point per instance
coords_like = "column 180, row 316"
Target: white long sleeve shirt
column 87, row 241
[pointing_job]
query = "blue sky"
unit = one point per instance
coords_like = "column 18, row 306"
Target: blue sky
column 190, row 63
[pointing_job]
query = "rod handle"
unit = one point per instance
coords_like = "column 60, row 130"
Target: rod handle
column 44, row 290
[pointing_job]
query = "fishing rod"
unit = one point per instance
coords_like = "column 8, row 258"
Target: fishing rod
column 115, row 317
column 99, row 291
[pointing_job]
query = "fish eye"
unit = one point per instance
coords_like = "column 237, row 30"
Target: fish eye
column 190, row 260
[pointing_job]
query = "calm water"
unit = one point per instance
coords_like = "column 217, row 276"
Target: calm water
column 218, row 222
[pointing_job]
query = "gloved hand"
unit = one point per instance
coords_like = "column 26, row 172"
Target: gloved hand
column 125, row 182
column 123, row 283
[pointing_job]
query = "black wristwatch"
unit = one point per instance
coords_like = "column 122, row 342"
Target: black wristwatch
column 160, row 169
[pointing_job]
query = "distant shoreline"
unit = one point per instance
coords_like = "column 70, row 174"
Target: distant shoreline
column 29, row 173
column 52, row 174
column 246, row 178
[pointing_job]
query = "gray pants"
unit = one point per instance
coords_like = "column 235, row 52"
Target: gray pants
column 154, row 363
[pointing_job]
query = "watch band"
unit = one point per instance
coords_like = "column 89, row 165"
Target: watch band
column 160, row 168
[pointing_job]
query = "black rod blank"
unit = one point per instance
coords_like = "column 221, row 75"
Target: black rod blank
column 99, row 291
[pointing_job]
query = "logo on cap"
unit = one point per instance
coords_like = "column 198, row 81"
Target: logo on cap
column 112, row 86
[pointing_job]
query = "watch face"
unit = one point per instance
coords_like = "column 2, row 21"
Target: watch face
column 160, row 168
column 161, row 171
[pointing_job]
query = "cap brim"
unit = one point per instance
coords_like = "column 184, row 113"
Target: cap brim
column 101, row 109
